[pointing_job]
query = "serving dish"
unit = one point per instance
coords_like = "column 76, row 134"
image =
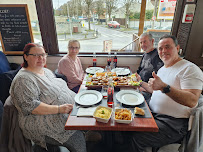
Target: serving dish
column 126, row 116
column 102, row 114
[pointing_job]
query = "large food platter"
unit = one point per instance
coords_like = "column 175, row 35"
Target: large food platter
column 100, row 79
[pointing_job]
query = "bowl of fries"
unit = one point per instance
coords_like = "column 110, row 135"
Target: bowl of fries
column 123, row 116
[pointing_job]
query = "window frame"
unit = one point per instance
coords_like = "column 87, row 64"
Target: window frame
column 46, row 19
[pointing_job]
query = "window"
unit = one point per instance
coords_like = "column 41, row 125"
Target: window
column 93, row 26
column 119, row 27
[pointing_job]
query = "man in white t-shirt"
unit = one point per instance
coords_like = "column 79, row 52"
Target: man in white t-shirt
column 175, row 90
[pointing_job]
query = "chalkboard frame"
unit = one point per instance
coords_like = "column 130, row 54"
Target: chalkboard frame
column 29, row 27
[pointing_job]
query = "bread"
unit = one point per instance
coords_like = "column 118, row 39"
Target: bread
column 139, row 111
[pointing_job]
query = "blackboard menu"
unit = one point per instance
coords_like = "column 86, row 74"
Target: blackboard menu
column 15, row 29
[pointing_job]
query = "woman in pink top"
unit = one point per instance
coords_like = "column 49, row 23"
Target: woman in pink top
column 71, row 67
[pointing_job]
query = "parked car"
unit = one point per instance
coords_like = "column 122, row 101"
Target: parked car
column 113, row 24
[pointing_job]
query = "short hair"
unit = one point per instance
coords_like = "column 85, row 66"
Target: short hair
column 175, row 40
column 73, row 41
column 147, row 34
column 26, row 51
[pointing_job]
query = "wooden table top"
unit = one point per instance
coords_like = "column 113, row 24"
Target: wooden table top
column 90, row 123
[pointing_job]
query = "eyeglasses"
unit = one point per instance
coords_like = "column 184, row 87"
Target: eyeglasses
column 74, row 48
column 44, row 55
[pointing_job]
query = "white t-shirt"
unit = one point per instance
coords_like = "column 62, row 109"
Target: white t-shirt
column 182, row 75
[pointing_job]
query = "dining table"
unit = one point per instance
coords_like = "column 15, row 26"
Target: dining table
column 144, row 123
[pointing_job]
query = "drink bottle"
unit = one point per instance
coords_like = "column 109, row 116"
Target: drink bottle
column 115, row 59
column 109, row 59
column 94, row 60
column 110, row 93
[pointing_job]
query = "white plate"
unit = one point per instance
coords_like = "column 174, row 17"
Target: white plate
column 94, row 70
column 121, row 71
column 130, row 97
column 88, row 97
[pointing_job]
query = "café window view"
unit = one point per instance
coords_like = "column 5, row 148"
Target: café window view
column 102, row 26
column 110, row 24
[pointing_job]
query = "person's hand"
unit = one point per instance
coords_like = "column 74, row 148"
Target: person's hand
column 65, row 108
column 138, row 77
column 156, row 83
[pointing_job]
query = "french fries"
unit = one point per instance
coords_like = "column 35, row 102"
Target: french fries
column 123, row 114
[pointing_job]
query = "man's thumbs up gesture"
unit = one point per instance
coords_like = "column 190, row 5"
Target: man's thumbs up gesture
column 156, row 83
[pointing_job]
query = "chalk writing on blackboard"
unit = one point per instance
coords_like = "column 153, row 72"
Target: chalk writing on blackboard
column 15, row 29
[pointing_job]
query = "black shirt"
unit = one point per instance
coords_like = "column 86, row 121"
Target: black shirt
column 150, row 62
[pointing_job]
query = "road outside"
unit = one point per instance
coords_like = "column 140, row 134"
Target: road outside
column 93, row 42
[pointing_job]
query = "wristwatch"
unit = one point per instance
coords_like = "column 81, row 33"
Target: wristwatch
column 166, row 89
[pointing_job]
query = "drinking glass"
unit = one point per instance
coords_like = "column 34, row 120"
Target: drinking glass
column 104, row 91
column 108, row 68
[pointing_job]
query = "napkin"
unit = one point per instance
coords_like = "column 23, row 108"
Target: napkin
column 86, row 111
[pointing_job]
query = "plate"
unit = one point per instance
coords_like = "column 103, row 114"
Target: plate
column 88, row 97
column 121, row 71
column 130, row 97
column 94, row 70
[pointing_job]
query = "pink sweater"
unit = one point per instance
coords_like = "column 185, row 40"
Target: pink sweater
column 72, row 70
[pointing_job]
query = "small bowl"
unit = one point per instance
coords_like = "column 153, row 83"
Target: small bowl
column 123, row 121
column 100, row 119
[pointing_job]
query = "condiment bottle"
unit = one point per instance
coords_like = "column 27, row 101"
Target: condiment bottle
column 109, row 59
column 110, row 93
column 94, row 60
column 115, row 59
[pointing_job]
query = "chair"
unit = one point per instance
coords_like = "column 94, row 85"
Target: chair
column 194, row 138
column 5, row 80
column 11, row 137
column 5, row 65
column 58, row 75
column 1, row 113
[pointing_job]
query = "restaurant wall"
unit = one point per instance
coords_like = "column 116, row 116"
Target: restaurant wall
column 52, row 61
